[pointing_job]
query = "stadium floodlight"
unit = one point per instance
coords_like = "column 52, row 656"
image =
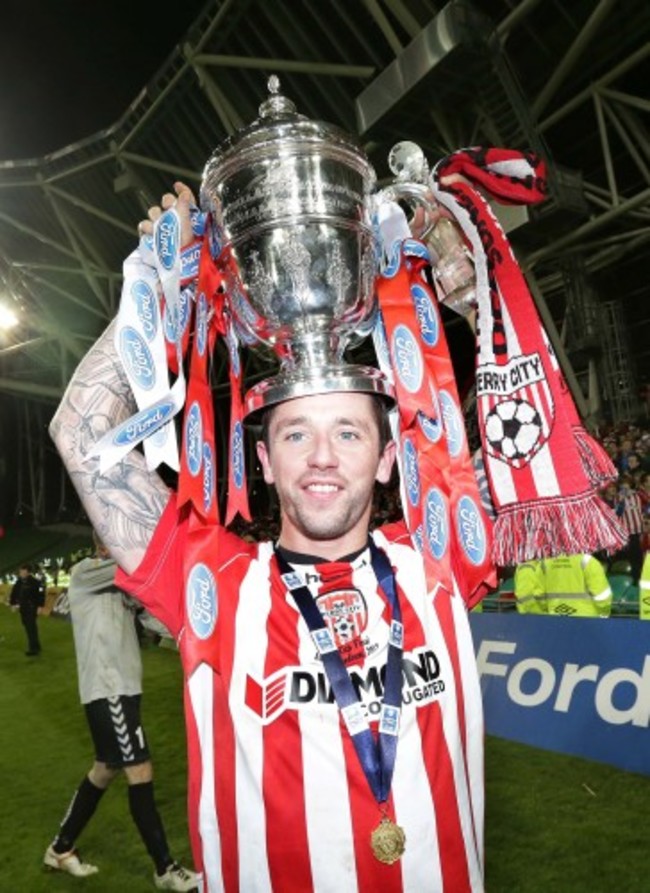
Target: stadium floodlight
column 8, row 319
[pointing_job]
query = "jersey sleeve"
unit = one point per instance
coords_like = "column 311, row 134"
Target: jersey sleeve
column 158, row 580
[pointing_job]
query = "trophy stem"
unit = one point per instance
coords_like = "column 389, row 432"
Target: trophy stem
column 315, row 349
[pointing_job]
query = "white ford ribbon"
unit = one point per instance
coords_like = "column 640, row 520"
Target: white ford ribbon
column 153, row 268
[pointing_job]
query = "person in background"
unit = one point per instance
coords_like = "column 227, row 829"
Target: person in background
column 644, row 589
column 625, row 450
column 530, row 592
column 576, row 586
column 631, row 514
column 28, row 597
column 645, row 536
column 109, row 668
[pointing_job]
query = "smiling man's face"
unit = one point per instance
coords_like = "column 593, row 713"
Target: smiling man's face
column 324, row 456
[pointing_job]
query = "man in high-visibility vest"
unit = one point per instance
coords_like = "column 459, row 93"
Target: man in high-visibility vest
column 530, row 591
column 644, row 589
column 576, row 586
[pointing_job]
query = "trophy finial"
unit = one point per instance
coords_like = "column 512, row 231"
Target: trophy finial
column 276, row 105
column 407, row 161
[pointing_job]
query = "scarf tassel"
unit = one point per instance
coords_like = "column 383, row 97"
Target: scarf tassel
column 597, row 464
column 583, row 523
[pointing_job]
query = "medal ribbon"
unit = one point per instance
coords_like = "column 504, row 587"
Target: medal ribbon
column 377, row 757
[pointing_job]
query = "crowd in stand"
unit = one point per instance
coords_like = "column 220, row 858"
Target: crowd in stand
column 585, row 585
column 629, row 495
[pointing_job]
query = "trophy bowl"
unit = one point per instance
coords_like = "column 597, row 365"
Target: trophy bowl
column 291, row 198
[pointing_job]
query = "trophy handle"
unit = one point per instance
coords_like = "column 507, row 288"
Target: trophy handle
column 451, row 262
column 415, row 195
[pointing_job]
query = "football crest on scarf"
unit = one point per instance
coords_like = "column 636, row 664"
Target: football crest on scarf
column 517, row 407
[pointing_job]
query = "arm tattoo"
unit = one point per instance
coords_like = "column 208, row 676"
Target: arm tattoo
column 125, row 503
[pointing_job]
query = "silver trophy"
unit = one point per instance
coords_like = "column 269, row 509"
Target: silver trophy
column 292, row 199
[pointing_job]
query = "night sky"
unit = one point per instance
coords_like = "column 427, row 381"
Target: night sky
column 69, row 69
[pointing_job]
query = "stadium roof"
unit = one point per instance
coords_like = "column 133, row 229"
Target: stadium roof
column 567, row 79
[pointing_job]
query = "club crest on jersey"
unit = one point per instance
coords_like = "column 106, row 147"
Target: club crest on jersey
column 345, row 614
column 201, row 601
column 471, row 530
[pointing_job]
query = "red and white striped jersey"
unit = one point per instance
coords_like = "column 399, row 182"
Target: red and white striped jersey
column 632, row 516
column 277, row 798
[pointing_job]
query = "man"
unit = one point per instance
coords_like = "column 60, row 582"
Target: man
column 644, row 589
column 530, row 594
column 333, row 709
column 110, row 686
column 576, row 586
column 28, row 597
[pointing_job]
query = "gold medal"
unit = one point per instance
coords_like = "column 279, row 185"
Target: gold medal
column 388, row 841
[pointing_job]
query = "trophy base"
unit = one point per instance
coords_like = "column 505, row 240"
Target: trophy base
column 309, row 381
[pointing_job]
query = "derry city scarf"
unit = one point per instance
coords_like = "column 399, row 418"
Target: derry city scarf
column 544, row 497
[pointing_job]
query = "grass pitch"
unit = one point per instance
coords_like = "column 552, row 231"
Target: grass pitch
column 554, row 824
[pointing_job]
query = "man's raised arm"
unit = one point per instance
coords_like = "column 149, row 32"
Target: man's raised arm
column 125, row 503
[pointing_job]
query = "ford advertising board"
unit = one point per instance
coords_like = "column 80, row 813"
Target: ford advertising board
column 576, row 686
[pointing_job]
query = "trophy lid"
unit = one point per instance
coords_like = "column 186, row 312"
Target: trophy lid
column 291, row 198
column 279, row 127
